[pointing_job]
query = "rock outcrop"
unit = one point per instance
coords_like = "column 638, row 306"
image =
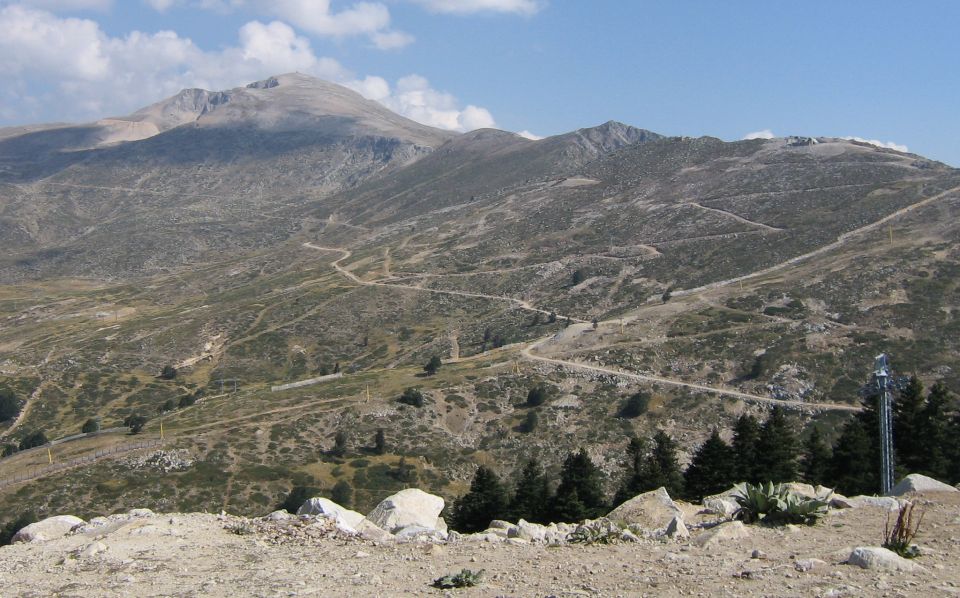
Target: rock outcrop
column 652, row 511
column 920, row 483
column 407, row 508
column 48, row 529
column 345, row 519
column 881, row 559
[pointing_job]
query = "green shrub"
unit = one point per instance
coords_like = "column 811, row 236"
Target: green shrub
column 465, row 579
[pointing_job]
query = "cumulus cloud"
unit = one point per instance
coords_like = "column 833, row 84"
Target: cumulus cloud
column 161, row 5
column 415, row 98
column 64, row 5
column 463, row 7
column 89, row 74
column 887, row 144
column 764, row 134
column 93, row 74
column 528, row 135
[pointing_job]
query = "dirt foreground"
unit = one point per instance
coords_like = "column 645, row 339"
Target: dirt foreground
column 146, row 554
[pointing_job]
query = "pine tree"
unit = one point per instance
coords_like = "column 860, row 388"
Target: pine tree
column 636, row 405
column 380, row 442
column 536, row 395
column 953, row 449
column 532, row 495
column 433, row 366
column 745, row 436
column 580, row 493
column 339, row 444
column 816, row 458
column 635, row 478
column 712, row 469
column 932, row 433
column 852, row 468
column 342, row 493
column 662, row 467
column 530, row 422
column 777, row 448
column 486, row 501
column 907, row 410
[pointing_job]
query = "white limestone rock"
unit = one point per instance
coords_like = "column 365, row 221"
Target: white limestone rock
column 920, row 483
column 880, row 559
column 405, row 508
column 652, row 510
column 48, row 529
column 345, row 519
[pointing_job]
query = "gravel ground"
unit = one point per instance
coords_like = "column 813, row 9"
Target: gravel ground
column 209, row 555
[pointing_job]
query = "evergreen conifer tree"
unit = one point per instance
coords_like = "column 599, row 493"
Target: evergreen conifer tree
column 531, row 498
column 580, row 493
column 636, row 475
column 907, row 410
column 932, row 430
column 816, row 458
column 486, row 501
column 712, row 469
column 662, row 466
column 852, row 468
column 777, row 448
column 746, row 433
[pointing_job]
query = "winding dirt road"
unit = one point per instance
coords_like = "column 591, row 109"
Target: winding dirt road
column 526, row 350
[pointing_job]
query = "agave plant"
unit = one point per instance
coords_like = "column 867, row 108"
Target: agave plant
column 776, row 504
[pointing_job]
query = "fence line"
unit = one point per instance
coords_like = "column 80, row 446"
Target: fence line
column 37, row 472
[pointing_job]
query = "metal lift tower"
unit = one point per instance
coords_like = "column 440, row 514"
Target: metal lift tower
column 884, row 381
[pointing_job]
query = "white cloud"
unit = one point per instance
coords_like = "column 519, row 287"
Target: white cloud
column 94, row 74
column 528, row 135
column 64, row 5
column 764, row 134
column 887, row 144
column 414, row 98
column 463, row 7
column 370, row 19
column 391, row 40
column 90, row 74
column 161, row 5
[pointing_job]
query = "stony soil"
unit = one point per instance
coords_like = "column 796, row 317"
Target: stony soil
column 210, row 555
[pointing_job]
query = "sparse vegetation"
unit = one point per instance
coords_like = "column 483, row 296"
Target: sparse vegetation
column 464, row 579
column 899, row 537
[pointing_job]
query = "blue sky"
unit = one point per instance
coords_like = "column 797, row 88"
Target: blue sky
column 875, row 69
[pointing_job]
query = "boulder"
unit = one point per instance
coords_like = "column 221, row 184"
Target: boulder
column 651, row 510
column 531, row 532
column 48, row 529
column 280, row 515
column 676, row 529
column 725, row 506
column 369, row 531
column 345, row 519
column 419, row 533
column 881, row 559
column 725, row 533
column 879, row 502
column 920, row 483
column 405, row 508
column 808, row 491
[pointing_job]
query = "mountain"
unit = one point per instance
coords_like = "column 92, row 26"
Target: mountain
column 271, row 235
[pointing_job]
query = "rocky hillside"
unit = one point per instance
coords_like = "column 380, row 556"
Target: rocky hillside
column 252, row 242
column 651, row 546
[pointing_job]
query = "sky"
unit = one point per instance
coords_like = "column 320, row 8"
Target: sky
column 886, row 71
